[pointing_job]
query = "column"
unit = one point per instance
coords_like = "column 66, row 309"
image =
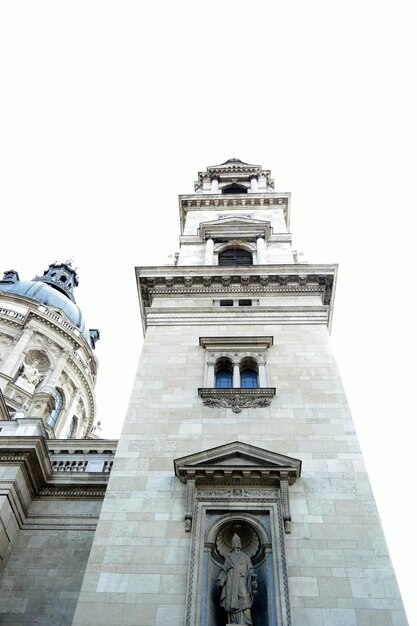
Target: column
column 208, row 256
column 236, row 376
column 261, row 250
column 14, row 358
column 210, row 375
column 214, row 185
column 263, row 379
column 56, row 372
column 254, row 184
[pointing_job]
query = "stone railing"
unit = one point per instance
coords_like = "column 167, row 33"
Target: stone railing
column 11, row 313
column 59, row 320
column 82, row 455
column 69, row 466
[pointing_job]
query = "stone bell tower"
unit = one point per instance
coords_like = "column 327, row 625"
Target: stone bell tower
column 238, row 493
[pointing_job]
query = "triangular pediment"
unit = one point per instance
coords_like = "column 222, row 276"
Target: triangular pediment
column 235, row 221
column 235, row 226
column 237, row 458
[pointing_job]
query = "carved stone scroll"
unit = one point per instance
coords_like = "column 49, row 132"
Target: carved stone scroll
column 285, row 499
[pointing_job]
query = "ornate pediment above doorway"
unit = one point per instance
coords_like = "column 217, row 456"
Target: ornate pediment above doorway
column 237, row 492
column 237, row 470
column 238, row 461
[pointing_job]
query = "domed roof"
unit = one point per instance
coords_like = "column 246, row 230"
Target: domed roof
column 234, row 161
column 44, row 293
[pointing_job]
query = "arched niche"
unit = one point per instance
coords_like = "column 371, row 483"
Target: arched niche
column 256, row 544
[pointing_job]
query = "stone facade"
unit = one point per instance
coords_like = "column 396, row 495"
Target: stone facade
column 193, row 463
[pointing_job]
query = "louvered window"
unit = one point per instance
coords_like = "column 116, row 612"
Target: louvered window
column 235, row 256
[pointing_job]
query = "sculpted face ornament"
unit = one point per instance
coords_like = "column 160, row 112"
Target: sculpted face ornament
column 238, row 582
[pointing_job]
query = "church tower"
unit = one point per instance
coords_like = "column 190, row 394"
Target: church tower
column 238, row 492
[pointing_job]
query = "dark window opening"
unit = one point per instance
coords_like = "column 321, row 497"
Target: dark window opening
column 53, row 416
column 224, row 374
column 63, row 278
column 234, row 188
column 245, row 302
column 248, row 378
column 235, row 256
column 226, row 302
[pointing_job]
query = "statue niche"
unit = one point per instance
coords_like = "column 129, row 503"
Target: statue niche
column 237, row 578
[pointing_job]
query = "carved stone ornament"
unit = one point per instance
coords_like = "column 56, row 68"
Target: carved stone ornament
column 237, row 399
column 240, row 471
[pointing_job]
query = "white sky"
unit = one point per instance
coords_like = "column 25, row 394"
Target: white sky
column 109, row 109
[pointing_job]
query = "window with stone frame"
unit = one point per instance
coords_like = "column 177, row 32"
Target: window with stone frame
column 236, row 373
column 57, row 410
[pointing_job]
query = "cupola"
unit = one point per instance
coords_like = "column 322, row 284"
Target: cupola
column 61, row 276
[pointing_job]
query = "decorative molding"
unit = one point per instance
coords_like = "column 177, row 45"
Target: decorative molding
column 292, row 279
column 237, row 471
column 98, row 491
column 245, row 342
column 41, row 478
column 252, row 200
column 237, row 399
column 244, row 228
column 285, row 498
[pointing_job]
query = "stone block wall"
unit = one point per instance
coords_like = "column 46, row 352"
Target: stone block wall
column 42, row 579
column 338, row 565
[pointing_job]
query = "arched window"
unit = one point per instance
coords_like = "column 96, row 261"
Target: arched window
column 235, row 256
column 224, row 374
column 56, row 411
column 249, row 378
column 249, row 374
column 72, row 428
column 234, row 188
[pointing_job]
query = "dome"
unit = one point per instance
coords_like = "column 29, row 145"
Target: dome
column 43, row 293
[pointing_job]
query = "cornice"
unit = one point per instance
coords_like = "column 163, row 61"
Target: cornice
column 216, row 202
column 259, row 279
column 245, row 341
column 32, row 455
column 273, row 238
column 49, row 318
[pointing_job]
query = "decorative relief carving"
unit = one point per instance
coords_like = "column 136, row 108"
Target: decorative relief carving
column 237, row 480
column 265, row 283
column 285, row 498
column 235, row 492
column 237, row 399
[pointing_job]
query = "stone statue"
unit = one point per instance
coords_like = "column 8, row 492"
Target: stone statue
column 238, row 582
column 31, row 373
